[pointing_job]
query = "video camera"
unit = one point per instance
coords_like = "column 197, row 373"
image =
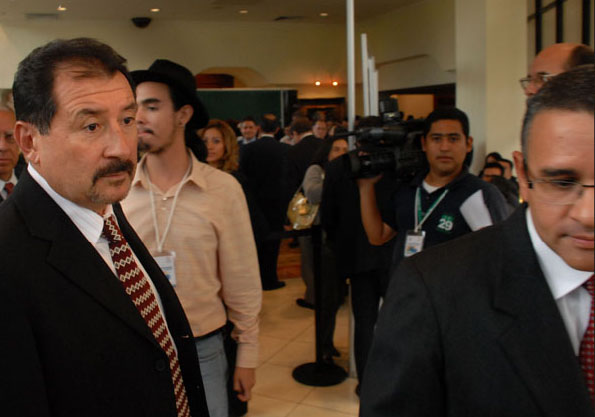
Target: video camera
column 395, row 147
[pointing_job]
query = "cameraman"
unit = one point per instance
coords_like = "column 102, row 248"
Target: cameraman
column 440, row 204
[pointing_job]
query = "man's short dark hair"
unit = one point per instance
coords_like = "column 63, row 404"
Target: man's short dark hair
column 447, row 113
column 581, row 55
column 269, row 125
column 568, row 91
column 495, row 155
column 300, row 125
column 249, row 119
column 505, row 161
column 493, row 165
column 33, row 85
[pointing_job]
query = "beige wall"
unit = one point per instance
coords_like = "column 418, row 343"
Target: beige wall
column 417, row 105
column 413, row 45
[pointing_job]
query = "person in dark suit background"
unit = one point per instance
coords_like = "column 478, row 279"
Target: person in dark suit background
column 9, row 153
column 78, row 338
column 263, row 164
column 500, row 322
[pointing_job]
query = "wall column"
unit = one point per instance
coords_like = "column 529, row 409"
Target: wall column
column 491, row 56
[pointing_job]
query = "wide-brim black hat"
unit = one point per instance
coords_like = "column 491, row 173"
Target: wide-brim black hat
column 181, row 80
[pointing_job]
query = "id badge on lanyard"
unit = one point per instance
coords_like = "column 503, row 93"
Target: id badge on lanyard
column 414, row 241
column 167, row 262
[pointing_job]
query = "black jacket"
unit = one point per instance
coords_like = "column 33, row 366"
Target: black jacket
column 470, row 328
column 73, row 343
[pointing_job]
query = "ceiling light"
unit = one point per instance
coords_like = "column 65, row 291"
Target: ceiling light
column 317, row 83
column 335, row 83
column 243, row 11
column 323, row 14
column 61, row 8
column 155, row 10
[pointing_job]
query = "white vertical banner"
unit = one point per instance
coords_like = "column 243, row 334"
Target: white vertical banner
column 373, row 79
column 365, row 75
column 350, row 63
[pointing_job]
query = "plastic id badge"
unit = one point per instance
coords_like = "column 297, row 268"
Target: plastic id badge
column 166, row 261
column 414, row 242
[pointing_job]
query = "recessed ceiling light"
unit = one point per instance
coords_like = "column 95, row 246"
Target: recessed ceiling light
column 61, row 8
column 317, row 83
column 335, row 83
column 323, row 14
column 155, row 10
column 243, row 11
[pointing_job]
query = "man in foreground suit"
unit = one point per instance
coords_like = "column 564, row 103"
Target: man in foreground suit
column 91, row 325
column 498, row 323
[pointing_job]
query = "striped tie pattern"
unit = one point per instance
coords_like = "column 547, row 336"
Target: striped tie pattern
column 138, row 289
column 8, row 187
column 587, row 349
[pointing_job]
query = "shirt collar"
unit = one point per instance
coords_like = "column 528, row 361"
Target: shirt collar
column 196, row 173
column 87, row 221
column 561, row 277
column 12, row 179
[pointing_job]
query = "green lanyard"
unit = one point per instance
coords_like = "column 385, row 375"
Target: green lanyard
column 420, row 218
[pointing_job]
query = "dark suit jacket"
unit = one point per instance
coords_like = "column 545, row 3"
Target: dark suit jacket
column 470, row 328
column 263, row 164
column 341, row 220
column 73, row 343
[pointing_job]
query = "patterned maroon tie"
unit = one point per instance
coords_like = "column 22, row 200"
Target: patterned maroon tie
column 587, row 349
column 138, row 289
column 8, row 187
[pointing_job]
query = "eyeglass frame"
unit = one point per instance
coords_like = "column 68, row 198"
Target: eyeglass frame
column 531, row 184
column 543, row 77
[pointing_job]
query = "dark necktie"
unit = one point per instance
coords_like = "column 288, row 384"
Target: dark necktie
column 138, row 289
column 8, row 187
column 587, row 349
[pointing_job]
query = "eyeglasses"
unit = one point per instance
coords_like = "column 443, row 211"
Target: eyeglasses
column 558, row 192
column 541, row 79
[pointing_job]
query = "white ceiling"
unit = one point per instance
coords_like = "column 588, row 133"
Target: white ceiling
column 201, row 10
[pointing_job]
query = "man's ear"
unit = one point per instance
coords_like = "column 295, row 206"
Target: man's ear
column 27, row 137
column 469, row 143
column 184, row 114
column 521, row 171
column 423, row 143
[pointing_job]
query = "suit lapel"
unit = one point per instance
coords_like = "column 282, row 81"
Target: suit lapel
column 74, row 257
column 533, row 335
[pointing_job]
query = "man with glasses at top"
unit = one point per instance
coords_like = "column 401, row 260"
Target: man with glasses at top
column 554, row 60
column 500, row 322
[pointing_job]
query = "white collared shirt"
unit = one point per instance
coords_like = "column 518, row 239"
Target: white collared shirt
column 90, row 224
column 565, row 282
column 12, row 179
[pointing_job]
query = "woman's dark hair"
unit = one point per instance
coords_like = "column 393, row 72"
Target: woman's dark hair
column 321, row 155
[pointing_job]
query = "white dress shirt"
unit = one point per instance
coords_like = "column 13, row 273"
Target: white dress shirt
column 12, row 179
column 565, row 282
column 90, row 224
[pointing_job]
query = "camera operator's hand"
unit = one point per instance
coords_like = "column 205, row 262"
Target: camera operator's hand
column 377, row 231
column 368, row 182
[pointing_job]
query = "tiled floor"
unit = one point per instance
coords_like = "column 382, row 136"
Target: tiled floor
column 286, row 341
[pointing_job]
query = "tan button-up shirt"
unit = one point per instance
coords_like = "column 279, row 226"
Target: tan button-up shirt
column 216, row 263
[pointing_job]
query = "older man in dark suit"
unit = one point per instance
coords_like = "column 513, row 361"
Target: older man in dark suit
column 500, row 322
column 9, row 153
column 91, row 325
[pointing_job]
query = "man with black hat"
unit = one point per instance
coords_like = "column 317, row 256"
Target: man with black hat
column 194, row 219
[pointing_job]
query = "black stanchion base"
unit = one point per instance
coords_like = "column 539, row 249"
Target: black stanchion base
column 319, row 374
